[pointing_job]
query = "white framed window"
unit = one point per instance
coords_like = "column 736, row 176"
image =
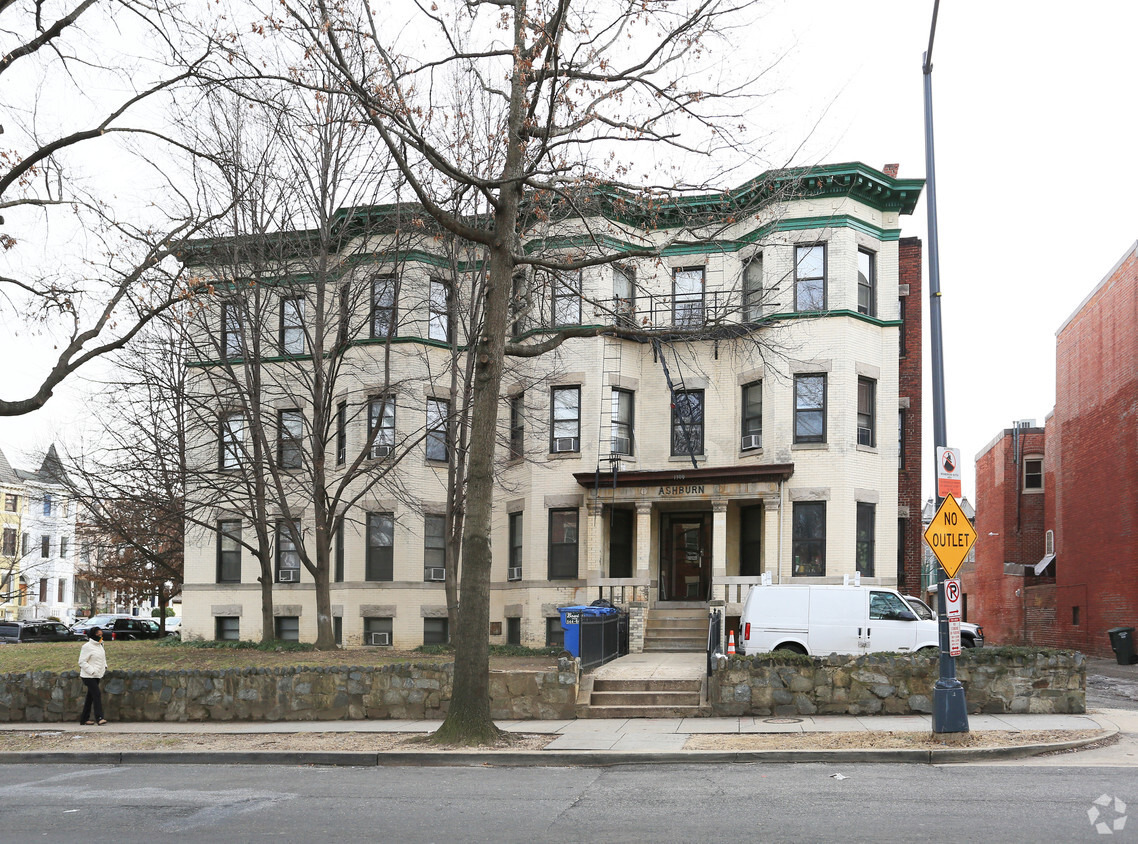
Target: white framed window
column 810, row 278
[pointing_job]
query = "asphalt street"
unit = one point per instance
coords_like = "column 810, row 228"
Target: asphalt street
column 651, row 803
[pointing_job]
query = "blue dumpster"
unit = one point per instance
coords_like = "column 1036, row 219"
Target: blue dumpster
column 591, row 633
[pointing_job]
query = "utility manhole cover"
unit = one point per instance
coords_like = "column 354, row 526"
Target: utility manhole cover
column 782, row 720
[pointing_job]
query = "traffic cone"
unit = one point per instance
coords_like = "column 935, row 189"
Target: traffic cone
column 731, row 644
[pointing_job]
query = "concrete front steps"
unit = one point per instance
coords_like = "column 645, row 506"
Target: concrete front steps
column 641, row 698
column 676, row 629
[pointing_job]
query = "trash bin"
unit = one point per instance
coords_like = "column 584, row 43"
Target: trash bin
column 571, row 624
column 1122, row 641
column 622, row 624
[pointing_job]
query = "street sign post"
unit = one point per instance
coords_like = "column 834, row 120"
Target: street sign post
column 951, row 536
column 954, row 637
column 952, row 600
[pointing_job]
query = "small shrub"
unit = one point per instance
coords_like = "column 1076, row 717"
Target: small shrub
column 434, row 650
column 241, row 645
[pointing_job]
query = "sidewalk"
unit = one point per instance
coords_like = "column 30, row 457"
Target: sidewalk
column 577, row 742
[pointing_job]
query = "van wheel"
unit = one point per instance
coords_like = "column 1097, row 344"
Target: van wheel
column 929, row 650
column 793, row 647
column 968, row 643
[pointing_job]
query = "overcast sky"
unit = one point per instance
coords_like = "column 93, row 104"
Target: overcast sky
column 1036, row 181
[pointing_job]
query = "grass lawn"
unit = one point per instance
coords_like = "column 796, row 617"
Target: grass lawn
column 152, row 656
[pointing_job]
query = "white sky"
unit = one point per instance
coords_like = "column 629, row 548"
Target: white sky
column 1035, row 186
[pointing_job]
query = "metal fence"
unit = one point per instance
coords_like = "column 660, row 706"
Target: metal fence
column 603, row 638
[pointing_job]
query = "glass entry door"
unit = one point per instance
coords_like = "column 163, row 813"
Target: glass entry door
column 685, row 561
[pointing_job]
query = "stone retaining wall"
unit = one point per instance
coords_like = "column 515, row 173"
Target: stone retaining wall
column 286, row 694
column 897, row 684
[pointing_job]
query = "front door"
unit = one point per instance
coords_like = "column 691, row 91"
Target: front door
column 685, row 561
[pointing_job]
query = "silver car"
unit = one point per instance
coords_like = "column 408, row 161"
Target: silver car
column 971, row 635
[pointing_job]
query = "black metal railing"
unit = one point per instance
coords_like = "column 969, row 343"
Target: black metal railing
column 601, row 638
column 714, row 638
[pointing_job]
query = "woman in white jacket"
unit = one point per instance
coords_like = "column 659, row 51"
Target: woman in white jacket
column 92, row 667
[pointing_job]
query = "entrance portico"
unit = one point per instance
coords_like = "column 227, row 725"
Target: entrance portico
column 694, row 535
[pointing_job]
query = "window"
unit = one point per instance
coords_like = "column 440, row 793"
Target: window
column 1074, row 616
column 47, row 504
column 687, row 422
column 60, row 591
column 384, row 312
column 45, row 546
column 436, row 631
column 566, row 301
column 229, row 552
column 810, row 408
column 288, row 557
column 290, row 429
column 750, row 541
column 513, row 631
column 866, row 412
column 866, row 521
column 563, row 544
column 378, row 632
column 341, row 433
column 752, row 415
column 554, row 633
column 43, row 590
column 901, row 330
column 623, row 296
column 231, row 437
column 338, row 571
column 515, row 572
column 810, row 278
column 345, row 327
column 623, row 406
column 809, row 540
column 866, row 283
column 380, row 564
column 753, row 289
column 338, row 629
column 231, row 341
column 687, row 297
column 438, row 429
column 292, row 326
column 438, row 327
column 11, row 503
column 620, row 542
column 9, row 547
column 434, row 547
column 381, row 426
column 287, row 628
column 517, row 426
column 26, row 545
column 886, row 606
column 1033, row 474
column 566, row 428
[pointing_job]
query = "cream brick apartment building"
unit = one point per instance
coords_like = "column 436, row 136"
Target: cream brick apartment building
column 672, row 468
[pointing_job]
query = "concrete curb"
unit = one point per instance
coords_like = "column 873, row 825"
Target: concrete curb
column 539, row 758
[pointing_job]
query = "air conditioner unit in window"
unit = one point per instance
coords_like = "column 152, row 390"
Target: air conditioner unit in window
column 865, row 436
column 566, row 444
column 380, row 450
column 752, row 441
column 622, row 445
column 288, row 575
column 436, row 573
column 514, row 573
column 381, row 638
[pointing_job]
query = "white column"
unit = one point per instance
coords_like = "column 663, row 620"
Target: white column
column 718, row 545
column 771, row 514
column 593, row 556
column 643, row 544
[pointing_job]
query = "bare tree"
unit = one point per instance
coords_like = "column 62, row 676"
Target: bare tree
column 87, row 174
column 524, row 111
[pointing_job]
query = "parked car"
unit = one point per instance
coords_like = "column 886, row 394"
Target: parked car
column 103, row 621
column 971, row 635
column 821, row 620
column 130, row 629
column 34, row 631
column 173, row 625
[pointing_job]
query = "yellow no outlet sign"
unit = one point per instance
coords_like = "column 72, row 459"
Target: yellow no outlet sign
column 951, row 536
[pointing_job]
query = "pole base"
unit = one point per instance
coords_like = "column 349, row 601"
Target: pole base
column 950, row 709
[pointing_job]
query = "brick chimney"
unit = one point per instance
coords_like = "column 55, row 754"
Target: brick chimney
column 890, row 170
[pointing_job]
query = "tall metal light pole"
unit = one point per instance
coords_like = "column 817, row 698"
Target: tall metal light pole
column 950, row 709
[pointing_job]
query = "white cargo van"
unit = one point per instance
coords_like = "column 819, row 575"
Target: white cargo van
column 821, row 620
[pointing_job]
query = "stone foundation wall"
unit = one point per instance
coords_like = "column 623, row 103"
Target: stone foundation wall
column 286, row 694
column 897, row 684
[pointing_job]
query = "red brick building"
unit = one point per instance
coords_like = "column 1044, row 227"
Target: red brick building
column 1057, row 507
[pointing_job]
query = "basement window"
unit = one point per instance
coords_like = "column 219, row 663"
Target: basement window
column 1075, row 616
